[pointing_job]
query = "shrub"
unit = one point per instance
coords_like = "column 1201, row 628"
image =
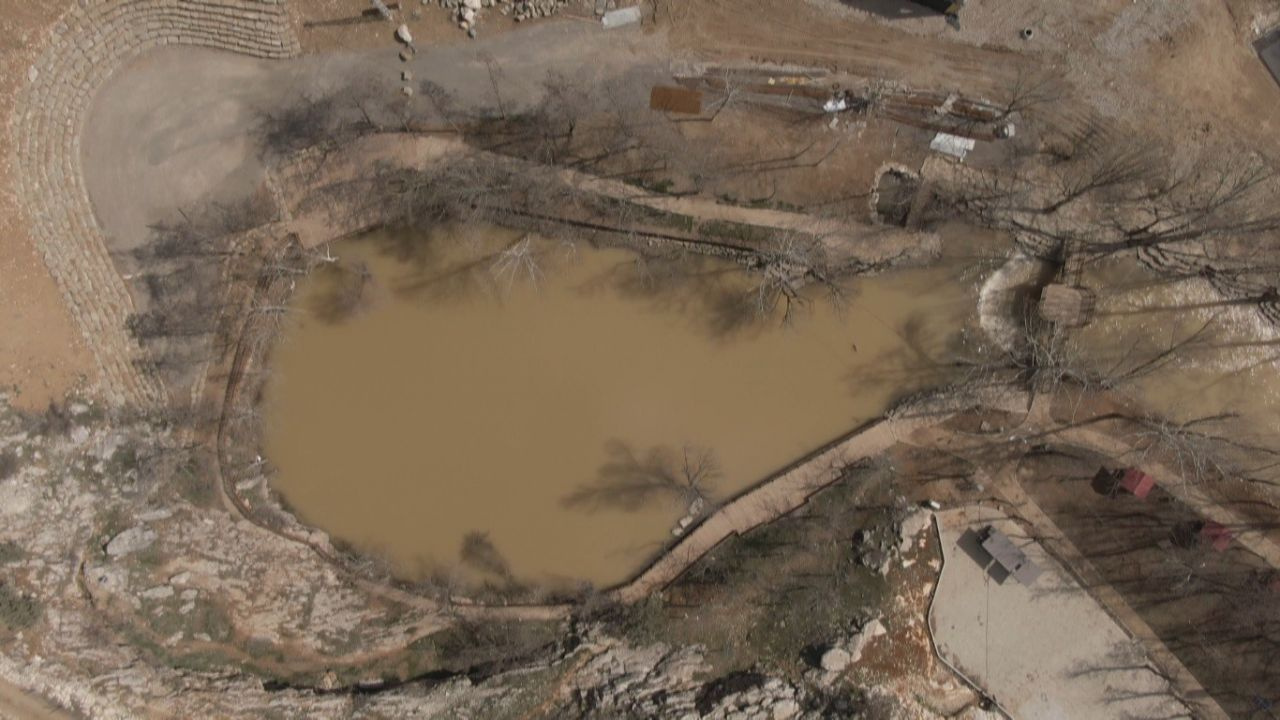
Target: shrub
column 17, row 611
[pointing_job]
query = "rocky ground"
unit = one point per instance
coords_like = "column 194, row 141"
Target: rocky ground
column 121, row 581
column 128, row 587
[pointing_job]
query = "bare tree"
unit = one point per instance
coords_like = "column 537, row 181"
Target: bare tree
column 786, row 269
column 517, row 260
column 1110, row 199
column 1029, row 91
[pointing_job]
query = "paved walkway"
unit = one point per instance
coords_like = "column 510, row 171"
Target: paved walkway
column 770, row 501
column 1047, row 652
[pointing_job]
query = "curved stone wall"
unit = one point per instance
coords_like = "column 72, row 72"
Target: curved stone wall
column 87, row 45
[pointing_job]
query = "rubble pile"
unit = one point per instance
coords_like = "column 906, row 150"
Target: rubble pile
column 773, row 699
column 467, row 12
column 877, row 546
column 652, row 681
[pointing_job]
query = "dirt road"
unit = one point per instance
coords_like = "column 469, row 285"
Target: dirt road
column 799, row 33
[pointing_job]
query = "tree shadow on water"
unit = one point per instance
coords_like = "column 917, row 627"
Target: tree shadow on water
column 344, row 291
column 630, row 480
column 713, row 295
column 916, row 362
column 479, row 553
column 438, row 267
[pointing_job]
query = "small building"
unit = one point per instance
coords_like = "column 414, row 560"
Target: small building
column 1067, row 305
column 1137, row 482
column 1008, row 556
column 1216, row 535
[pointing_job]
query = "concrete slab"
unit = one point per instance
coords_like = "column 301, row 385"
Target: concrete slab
column 1043, row 652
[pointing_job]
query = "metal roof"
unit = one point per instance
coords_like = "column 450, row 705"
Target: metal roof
column 1009, row 556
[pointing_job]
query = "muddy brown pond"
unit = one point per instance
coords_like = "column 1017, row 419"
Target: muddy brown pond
column 431, row 388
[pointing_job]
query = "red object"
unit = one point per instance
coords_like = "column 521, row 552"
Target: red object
column 1138, row 483
column 1217, row 535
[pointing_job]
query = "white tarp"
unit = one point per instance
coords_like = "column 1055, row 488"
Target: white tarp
column 952, row 145
column 618, row 18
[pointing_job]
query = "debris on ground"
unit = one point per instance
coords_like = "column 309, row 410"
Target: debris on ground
column 467, row 13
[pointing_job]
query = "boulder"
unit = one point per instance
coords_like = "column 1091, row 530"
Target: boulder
column 403, row 35
column 329, row 681
column 912, row 525
column 785, row 709
column 159, row 592
column 858, row 642
column 130, row 541
column 836, row 659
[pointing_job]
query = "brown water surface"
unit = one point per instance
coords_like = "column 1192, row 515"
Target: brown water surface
column 464, row 394
column 1225, row 355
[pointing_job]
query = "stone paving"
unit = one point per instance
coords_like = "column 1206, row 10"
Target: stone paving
column 1044, row 652
column 87, row 45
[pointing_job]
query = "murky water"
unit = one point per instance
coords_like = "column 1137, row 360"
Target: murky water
column 448, row 391
column 1199, row 355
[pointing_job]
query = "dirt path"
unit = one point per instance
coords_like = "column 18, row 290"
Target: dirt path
column 799, row 33
column 1039, row 425
column 772, row 499
column 1171, row 479
column 180, row 128
column 843, row 241
column 42, row 355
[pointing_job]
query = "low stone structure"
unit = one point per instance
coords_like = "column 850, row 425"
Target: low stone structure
column 1067, row 305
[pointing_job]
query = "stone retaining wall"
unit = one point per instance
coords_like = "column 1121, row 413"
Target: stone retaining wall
column 87, row 45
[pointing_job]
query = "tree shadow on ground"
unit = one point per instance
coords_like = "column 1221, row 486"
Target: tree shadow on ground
column 892, row 9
